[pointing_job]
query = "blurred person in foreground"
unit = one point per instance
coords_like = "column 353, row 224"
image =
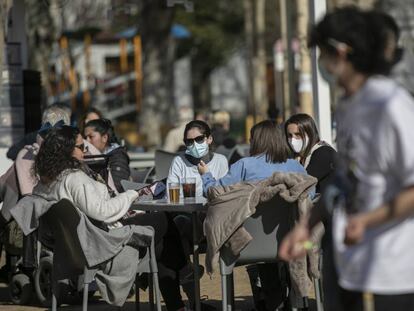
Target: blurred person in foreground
column 173, row 140
column 61, row 112
column 101, row 134
column 375, row 171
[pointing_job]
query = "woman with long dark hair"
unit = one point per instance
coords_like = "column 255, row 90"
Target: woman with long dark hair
column 316, row 155
column 60, row 170
column 100, row 133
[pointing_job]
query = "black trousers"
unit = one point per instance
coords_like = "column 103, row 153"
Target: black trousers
column 172, row 255
column 354, row 301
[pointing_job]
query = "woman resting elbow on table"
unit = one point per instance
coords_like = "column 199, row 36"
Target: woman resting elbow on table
column 269, row 153
column 62, row 176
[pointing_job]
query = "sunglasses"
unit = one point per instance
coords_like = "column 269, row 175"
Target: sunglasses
column 81, row 147
column 190, row 141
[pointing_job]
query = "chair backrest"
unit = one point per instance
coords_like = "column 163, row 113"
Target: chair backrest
column 163, row 160
column 271, row 222
column 63, row 219
column 227, row 152
column 141, row 175
column 130, row 185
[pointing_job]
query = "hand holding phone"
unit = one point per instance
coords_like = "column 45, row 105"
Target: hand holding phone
column 155, row 188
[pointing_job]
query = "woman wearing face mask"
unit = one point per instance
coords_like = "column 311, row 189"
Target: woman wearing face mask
column 197, row 139
column 315, row 155
column 375, row 170
column 269, row 153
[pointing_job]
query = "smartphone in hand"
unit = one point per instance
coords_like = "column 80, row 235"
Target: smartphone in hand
column 156, row 189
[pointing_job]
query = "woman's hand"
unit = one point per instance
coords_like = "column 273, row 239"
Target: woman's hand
column 295, row 244
column 202, row 167
column 144, row 191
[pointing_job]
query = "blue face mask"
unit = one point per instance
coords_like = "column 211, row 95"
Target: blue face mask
column 197, row 150
column 326, row 75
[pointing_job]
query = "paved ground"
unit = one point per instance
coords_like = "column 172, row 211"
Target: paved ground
column 210, row 290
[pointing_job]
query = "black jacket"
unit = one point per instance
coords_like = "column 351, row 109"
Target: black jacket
column 118, row 165
column 322, row 166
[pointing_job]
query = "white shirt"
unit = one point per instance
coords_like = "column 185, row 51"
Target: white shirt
column 376, row 141
column 182, row 168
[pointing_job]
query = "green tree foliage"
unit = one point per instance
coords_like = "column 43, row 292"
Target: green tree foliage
column 217, row 28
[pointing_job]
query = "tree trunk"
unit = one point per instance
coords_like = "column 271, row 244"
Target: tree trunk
column 201, row 86
column 4, row 11
column 41, row 30
column 156, row 21
column 255, row 32
column 305, row 75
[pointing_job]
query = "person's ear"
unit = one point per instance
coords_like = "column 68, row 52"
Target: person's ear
column 105, row 138
column 343, row 50
column 209, row 139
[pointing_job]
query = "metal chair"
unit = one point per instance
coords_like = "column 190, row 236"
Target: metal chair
column 141, row 175
column 62, row 219
column 130, row 185
column 163, row 160
column 271, row 222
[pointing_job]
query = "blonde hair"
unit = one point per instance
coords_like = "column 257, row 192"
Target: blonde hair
column 53, row 114
column 221, row 117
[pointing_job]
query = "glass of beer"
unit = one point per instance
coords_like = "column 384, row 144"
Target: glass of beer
column 189, row 187
column 174, row 192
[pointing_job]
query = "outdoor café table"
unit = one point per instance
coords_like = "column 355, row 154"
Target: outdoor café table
column 191, row 206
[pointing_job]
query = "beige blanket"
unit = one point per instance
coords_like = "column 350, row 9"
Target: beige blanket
column 230, row 206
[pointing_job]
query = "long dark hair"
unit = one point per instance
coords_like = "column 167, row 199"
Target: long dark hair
column 104, row 127
column 55, row 154
column 267, row 138
column 307, row 127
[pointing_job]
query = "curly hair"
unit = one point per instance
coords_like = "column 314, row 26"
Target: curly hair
column 55, row 154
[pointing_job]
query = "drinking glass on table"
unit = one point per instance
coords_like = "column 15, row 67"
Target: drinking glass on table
column 189, row 187
column 174, row 192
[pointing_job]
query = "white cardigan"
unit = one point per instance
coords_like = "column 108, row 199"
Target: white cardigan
column 88, row 195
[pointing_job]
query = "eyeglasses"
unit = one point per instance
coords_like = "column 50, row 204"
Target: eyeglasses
column 190, row 141
column 81, row 147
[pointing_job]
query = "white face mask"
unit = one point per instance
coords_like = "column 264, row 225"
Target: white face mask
column 297, row 144
column 326, row 75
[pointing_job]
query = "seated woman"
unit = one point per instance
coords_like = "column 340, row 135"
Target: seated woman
column 59, row 168
column 90, row 114
column 100, row 133
column 197, row 139
column 317, row 156
column 269, row 153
